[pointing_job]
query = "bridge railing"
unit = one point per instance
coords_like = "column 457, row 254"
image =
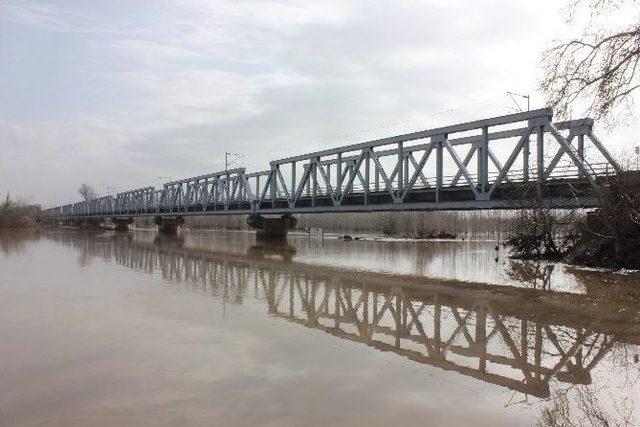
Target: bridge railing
column 400, row 171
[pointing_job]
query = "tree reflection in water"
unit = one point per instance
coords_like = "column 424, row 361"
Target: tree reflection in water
column 14, row 240
column 535, row 274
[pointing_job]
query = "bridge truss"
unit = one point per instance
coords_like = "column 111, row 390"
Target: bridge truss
column 511, row 161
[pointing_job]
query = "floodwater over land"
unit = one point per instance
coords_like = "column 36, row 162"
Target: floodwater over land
column 215, row 328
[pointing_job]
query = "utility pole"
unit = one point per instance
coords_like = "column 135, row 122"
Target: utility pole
column 527, row 97
column 637, row 157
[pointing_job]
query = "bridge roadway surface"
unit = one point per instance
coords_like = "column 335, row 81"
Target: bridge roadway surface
column 506, row 162
column 514, row 337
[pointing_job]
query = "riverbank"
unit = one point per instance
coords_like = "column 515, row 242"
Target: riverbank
column 600, row 238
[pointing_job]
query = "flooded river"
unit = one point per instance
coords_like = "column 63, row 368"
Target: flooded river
column 215, row 328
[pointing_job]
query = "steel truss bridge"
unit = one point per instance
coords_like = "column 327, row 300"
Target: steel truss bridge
column 516, row 338
column 505, row 162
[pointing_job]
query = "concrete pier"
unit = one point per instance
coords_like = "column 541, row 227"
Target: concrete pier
column 122, row 224
column 271, row 228
column 168, row 224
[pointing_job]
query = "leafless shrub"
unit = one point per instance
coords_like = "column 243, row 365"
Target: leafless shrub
column 580, row 406
column 18, row 214
column 542, row 233
column 411, row 224
column 610, row 235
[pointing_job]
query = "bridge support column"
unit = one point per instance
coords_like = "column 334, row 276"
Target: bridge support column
column 168, row 224
column 271, row 228
column 122, row 224
column 540, row 160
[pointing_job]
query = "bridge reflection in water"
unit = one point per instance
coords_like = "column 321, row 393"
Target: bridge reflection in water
column 517, row 338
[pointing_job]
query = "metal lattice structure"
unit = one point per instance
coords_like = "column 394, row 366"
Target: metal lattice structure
column 496, row 336
column 501, row 162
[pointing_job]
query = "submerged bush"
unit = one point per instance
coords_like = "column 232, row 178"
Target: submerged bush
column 608, row 236
column 542, row 233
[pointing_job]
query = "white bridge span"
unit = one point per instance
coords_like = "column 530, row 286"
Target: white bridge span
column 505, row 162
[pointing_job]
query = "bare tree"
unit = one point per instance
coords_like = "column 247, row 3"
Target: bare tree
column 610, row 235
column 600, row 67
column 581, row 406
column 87, row 192
column 542, row 233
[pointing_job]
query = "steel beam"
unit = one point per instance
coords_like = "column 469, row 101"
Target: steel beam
column 411, row 185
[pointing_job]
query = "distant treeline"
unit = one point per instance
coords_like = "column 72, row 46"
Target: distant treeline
column 401, row 224
column 411, row 224
column 18, row 214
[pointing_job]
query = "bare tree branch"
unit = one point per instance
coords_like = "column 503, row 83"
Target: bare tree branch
column 87, row 192
column 600, row 68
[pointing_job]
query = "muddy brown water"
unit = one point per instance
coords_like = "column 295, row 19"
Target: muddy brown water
column 216, row 328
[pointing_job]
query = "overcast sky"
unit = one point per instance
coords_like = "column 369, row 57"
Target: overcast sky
column 119, row 93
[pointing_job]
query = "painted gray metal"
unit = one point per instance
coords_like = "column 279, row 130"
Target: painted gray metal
column 394, row 174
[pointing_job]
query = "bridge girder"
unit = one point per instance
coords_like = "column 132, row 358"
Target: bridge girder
column 404, row 172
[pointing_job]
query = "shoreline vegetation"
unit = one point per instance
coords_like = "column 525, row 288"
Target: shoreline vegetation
column 18, row 214
column 607, row 237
